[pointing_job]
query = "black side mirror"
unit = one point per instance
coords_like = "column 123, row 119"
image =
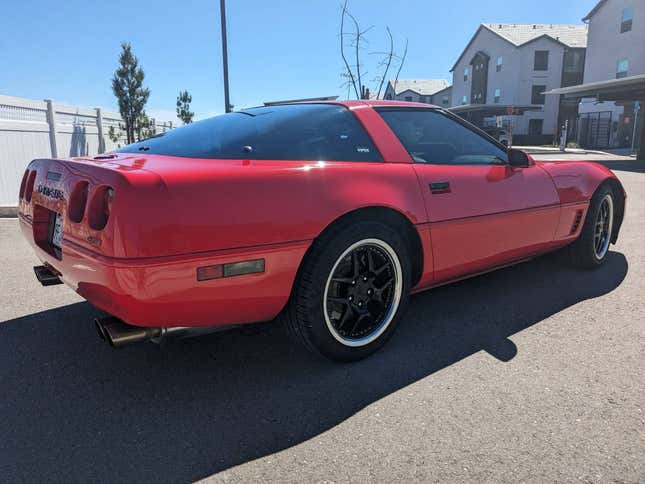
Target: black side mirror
column 518, row 159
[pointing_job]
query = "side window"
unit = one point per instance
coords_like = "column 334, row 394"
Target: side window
column 431, row 136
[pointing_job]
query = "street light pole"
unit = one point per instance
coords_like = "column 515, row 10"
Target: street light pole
column 222, row 9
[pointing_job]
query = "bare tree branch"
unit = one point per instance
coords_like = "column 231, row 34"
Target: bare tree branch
column 405, row 53
column 389, row 61
column 342, row 49
column 357, row 46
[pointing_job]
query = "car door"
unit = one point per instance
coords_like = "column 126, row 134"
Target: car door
column 482, row 212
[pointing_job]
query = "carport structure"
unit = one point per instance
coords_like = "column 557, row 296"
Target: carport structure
column 625, row 89
column 475, row 113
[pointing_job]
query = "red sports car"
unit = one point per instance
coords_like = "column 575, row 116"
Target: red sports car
column 326, row 215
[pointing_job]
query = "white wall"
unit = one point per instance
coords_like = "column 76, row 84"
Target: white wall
column 29, row 129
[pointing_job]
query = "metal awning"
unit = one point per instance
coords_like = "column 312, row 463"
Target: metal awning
column 495, row 109
column 630, row 88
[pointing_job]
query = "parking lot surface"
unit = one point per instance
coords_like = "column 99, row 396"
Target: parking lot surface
column 531, row 373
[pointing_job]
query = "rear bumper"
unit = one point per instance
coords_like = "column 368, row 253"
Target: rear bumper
column 165, row 292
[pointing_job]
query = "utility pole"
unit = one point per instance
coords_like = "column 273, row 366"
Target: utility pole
column 222, row 9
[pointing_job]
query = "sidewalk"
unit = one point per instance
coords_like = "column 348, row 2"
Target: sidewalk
column 548, row 153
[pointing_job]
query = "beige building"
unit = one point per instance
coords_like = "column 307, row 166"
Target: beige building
column 506, row 68
column 615, row 50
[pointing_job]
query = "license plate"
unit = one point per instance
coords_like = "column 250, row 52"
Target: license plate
column 57, row 231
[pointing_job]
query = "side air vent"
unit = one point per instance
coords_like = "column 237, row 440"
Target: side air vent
column 576, row 222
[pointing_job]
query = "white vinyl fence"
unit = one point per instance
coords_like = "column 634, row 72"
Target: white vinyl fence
column 32, row 129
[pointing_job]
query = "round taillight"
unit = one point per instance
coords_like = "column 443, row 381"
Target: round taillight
column 29, row 186
column 78, row 201
column 23, row 183
column 100, row 207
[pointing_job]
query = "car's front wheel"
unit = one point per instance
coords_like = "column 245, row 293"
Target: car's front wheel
column 592, row 245
column 351, row 291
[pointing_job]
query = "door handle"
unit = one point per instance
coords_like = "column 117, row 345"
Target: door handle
column 440, row 187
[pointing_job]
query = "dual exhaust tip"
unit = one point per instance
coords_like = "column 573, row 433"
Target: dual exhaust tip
column 119, row 334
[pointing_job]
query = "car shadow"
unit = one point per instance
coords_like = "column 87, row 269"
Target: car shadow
column 74, row 409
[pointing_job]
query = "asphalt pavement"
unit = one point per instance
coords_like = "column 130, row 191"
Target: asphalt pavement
column 533, row 373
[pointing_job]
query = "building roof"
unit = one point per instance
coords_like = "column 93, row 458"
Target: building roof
column 594, row 10
column 574, row 36
column 423, row 87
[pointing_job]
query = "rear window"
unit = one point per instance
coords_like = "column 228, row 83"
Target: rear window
column 311, row 132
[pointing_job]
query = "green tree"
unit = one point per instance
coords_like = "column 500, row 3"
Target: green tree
column 132, row 96
column 146, row 127
column 183, row 107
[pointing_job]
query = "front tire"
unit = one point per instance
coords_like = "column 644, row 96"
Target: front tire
column 351, row 291
column 592, row 245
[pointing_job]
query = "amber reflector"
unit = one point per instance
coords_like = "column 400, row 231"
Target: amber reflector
column 209, row 272
column 229, row 270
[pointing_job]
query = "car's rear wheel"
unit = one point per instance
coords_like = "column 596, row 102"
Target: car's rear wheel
column 591, row 248
column 351, row 291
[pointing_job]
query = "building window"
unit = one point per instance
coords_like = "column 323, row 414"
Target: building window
column 541, row 61
column 627, row 20
column 537, row 94
column 500, row 63
column 408, row 98
column 466, row 74
column 498, row 95
column 445, row 101
column 464, row 100
column 573, row 61
column 622, row 69
column 535, row 126
column 388, row 96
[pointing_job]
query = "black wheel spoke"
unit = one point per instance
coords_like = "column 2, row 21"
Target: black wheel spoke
column 347, row 315
column 370, row 261
column 342, row 280
column 338, row 300
column 356, row 265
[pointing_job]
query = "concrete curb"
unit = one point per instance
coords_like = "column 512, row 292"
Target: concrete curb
column 8, row 211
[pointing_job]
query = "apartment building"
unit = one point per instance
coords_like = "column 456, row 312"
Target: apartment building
column 429, row 91
column 505, row 69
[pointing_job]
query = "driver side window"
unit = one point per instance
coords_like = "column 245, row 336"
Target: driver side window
column 431, row 136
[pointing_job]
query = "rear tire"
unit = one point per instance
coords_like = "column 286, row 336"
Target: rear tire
column 350, row 291
column 592, row 245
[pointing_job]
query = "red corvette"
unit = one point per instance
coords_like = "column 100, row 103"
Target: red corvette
column 326, row 215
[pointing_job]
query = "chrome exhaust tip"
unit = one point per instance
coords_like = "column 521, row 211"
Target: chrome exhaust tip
column 99, row 328
column 119, row 334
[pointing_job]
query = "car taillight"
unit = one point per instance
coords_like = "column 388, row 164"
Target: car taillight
column 100, row 207
column 22, row 184
column 29, row 187
column 78, row 201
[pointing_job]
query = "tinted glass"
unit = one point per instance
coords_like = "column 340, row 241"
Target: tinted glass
column 431, row 136
column 541, row 60
column 316, row 132
column 537, row 94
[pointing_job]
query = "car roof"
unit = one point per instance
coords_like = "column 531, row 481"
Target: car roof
column 371, row 103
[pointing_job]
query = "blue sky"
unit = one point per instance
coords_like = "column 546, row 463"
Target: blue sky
column 278, row 49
